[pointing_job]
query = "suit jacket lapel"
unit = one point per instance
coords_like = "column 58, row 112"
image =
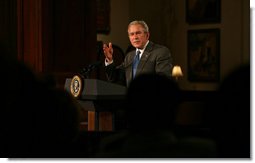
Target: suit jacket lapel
column 144, row 57
column 142, row 62
column 129, row 66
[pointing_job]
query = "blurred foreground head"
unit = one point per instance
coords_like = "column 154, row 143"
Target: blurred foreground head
column 152, row 101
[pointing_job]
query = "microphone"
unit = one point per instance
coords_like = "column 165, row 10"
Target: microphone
column 86, row 70
column 95, row 65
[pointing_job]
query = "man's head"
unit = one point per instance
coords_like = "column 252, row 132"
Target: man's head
column 152, row 98
column 138, row 33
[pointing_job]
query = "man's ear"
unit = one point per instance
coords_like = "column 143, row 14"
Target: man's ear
column 148, row 35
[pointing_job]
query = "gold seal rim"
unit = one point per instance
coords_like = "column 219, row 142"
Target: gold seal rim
column 76, row 93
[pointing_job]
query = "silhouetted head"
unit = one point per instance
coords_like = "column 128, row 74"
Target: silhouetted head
column 230, row 115
column 152, row 102
column 39, row 120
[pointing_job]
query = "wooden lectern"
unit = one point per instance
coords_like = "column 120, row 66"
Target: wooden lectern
column 101, row 99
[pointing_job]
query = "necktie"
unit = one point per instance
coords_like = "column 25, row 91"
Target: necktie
column 135, row 62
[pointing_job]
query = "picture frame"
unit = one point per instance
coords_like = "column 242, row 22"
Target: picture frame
column 203, row 11
column 203, row 55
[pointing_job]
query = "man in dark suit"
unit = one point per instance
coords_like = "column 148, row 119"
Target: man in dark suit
column 152, row 58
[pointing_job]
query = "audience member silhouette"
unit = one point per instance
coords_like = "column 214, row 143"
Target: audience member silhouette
column 229, row 116
column 152, row 101
column 39, row 121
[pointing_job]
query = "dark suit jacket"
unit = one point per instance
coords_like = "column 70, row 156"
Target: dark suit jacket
column 155, row 59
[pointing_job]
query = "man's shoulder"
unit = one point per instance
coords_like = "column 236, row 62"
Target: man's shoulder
column 153, row 45
column 157, row 48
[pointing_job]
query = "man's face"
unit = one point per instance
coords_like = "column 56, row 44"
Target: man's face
column 138, row 38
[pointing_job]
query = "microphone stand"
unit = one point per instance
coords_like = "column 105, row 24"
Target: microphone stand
column 85, row 72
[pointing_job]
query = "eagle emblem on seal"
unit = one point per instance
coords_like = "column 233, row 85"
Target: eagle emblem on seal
column 76, row 86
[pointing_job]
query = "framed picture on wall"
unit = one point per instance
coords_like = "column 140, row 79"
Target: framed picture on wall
column 203, row 11
column 203, row 55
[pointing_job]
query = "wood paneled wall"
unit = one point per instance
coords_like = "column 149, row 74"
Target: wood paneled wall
column 8, row 29
column 56, row 37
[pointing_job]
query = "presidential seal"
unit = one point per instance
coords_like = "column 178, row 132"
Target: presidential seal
column 76, row 86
